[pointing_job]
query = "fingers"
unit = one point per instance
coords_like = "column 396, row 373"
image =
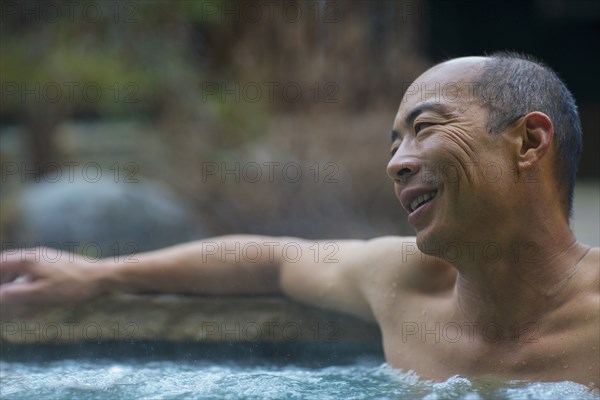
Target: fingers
column 12, row 265
column 6, row 277
column 18, row 262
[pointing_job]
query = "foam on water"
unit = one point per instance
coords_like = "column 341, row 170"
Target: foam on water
column 69, row 379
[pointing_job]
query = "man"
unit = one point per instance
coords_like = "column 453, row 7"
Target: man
column 484, row 155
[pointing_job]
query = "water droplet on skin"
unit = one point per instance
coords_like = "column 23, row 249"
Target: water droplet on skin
column 563, row 351
column 565, row 366
column 523, row 363
column 590, row 368
column 394, row 284
column 393, row 295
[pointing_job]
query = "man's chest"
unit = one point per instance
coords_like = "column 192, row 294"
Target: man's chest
column 441, row 349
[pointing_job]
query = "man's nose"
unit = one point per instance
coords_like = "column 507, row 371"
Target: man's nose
column 402, row 167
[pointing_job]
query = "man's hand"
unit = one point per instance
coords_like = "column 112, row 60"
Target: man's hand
column 25, row 281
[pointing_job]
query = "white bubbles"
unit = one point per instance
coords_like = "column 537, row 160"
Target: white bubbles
column 363, row 379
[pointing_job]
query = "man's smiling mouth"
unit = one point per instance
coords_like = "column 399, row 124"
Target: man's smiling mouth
column 422, row 199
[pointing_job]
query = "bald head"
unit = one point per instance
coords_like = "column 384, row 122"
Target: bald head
column 466, row 67
column 509, row 86
column 451, row 81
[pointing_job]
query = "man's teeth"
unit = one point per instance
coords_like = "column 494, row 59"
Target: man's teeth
column 422, row 199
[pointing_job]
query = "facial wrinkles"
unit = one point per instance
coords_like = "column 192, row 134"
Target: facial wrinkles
column 429, row 117
column 462, row 151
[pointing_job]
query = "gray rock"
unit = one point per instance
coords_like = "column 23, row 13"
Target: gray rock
column 104, row 216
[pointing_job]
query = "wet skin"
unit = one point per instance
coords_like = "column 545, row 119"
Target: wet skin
column 530, row 306
column 494, row 285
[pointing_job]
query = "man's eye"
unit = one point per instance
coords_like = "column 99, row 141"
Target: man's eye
column 393, row 150
column 421, row 125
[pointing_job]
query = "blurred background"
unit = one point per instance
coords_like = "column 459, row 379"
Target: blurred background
column 132, row 125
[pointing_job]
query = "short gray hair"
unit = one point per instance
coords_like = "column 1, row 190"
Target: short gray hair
column 522, row 85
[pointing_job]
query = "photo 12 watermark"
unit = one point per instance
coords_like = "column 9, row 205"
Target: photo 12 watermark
column 69, row 171
column 462, row 92
column 253, row 252
column 467, row 172
column 269, row 92
column 269, row 11
column 69, row 11
column 472, row 251
column 452, row 332
column 66, row 332
column 72, row 92
column 269, row 331
column 270, row 171
column 55, row 252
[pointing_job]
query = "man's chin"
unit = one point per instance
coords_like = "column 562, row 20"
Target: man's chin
column 429, row 241
column 424, row 243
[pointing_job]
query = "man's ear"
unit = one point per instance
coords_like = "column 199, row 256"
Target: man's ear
column 535, row 134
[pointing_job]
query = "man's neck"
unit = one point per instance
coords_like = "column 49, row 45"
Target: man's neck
column 530, row 279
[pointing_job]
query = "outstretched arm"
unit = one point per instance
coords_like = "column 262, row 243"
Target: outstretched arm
column 235, row 264
column 341, row 275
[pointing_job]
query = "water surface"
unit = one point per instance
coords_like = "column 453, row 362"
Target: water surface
column 354, row 375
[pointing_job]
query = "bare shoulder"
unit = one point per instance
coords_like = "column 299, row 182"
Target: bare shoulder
column 352, row 275
column 592, row 263
column 398, row 261
column 584, row 305
column 592, row 258
column 590, row 283
column 571, row 334
column 589, row 274
column 581, row 308
column 396, row 276
column 570, row 338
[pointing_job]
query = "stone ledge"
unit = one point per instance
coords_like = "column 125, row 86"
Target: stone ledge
column 174, row 318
